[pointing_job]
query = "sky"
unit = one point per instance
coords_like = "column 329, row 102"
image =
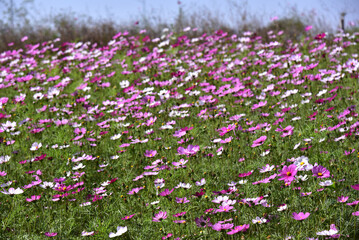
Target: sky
column 127, row 11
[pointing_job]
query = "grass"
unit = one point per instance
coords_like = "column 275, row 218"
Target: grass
column 218, row 92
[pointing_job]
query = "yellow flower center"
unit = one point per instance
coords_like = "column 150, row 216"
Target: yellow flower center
column 289, row 173
column 320, row 174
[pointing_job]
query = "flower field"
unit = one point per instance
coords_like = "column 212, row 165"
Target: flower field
column 210, row 137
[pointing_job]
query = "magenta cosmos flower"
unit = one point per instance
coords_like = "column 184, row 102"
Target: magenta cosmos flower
column 33, row 198
column 320, row 172
column 150, row 153
column 50, row 234
column 191, row 149
column 259, row 141
column 236, row 229
column 159, row 216
column 355, row 187
column 300, row 216
column 128, row 217
column 166, row 192
column 342, row 199
column 288, row 173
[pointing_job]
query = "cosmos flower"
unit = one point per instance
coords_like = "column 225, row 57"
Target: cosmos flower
column 201, row 183
column 282, row 207
column 219, row 226
column 259, row 220
column 166, row 192
column 225, row 208
column 182, row 200
column 128, row 217
column 342, row 199
column 288, row 173
column 35, row 146
column 190, row 150
column 320, row 172
column 259, row 141
column 300, row 216
column 326, row 183
column 50, row 234
column 355, row 187
column 159, row 216
column 150, row 153
column 201, row 222
column 13, row 191
column 120, row 231
column 33, row 198
column 236, row 229
column 84, row 233
column 333, row 230
column 266, row 168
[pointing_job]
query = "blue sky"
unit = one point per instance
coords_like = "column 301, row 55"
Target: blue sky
column 132, row 10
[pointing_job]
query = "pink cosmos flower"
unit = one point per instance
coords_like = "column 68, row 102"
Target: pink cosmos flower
column 159, row 216
column 260, row 104
column 226, row 208
column 287, row 131
column 222, row 131
column 236, row 229
column 150, row 153
column 288, row 173
column 259, row 141
column 320, row 172
column 300, row 216
column 218, row 226
column 128, row 217
column 245, row 174
column 355, row 213
column 33, row 198
column 191, row 149
column 179, row 214
column 134, row 191
column 342, row 199
column 48, row 234
column 349, row 152
column 182, row 200
column 166, row 192
column 355, row 187
column 307, row 28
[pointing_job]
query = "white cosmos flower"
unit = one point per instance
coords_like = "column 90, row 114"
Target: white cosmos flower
column 8, row 126
column 296, row 118
column 13, row 191
column 201, row 183
column 242, row 181
column 326, row 183
column 35, row 146
column 115, row 137
column 282, row 208
column 120, row 231
column 124, row 84
column 183, row 185
column 302, row 178
column 259, row 220
column 80, row 166
column 4, row 159
column 38, row 96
